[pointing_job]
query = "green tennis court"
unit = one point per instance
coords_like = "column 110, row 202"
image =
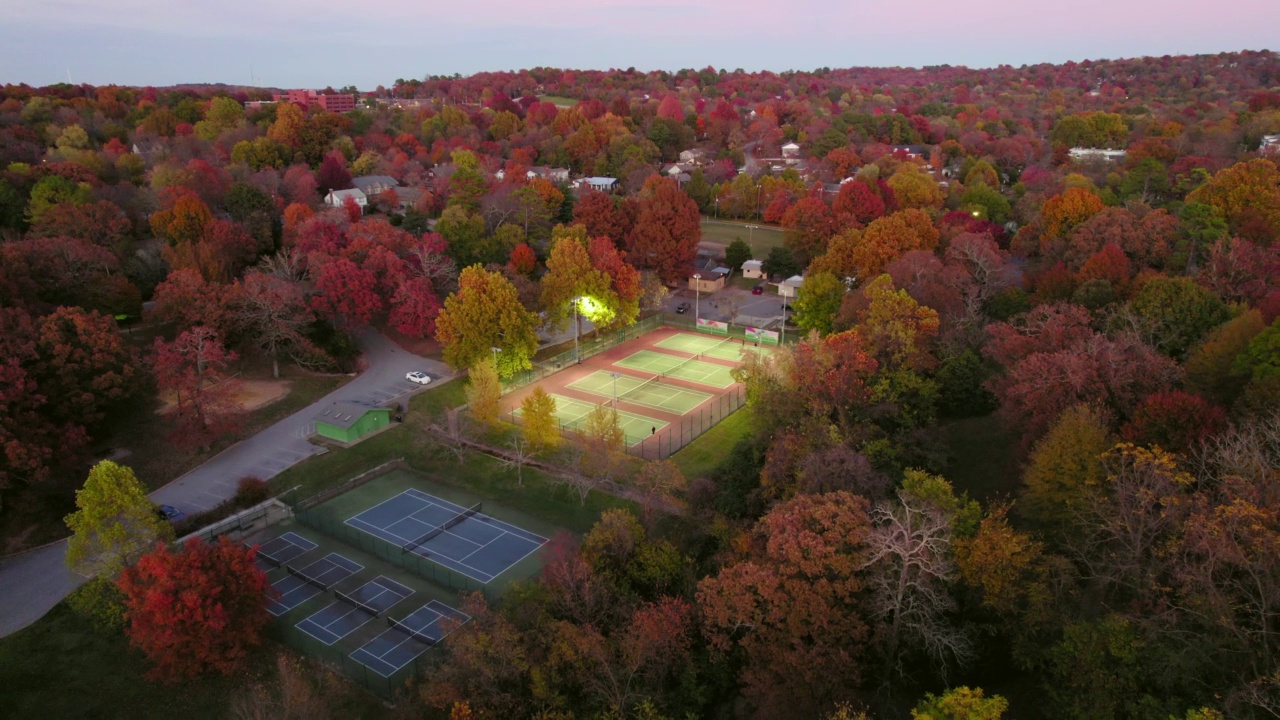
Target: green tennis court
column 573, row 415
column 689, row 369
column 716, row 347
column 648, row 393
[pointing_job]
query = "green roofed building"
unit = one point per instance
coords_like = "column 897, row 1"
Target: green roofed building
column 349, row 421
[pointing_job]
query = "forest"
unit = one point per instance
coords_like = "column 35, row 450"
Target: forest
column 1023, row 461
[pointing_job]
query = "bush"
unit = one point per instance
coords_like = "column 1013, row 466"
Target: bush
column 250, row 491
column 101, row 603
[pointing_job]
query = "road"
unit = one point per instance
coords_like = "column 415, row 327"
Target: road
column 33, row 582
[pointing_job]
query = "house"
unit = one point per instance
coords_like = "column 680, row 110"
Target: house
column 252, row 105
column 409, row 197
column 753, row 269
column 1270, row 145
column 706, row 280
column 347, row 422
column 910, row 151
column 338, row 198
column 791, row 150
column 599, row 184
column 374, row 185
column 787, row 288
column 150, row 150
column 1097, row 154
column 693, row 157
column 555, row 175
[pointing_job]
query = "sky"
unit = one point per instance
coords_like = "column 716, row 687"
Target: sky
column 318, row 43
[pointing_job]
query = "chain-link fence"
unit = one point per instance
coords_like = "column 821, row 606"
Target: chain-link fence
column 337, row 656
column 590, row 346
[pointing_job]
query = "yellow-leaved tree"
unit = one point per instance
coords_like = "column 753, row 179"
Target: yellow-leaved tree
column 538, row 418
column 115, row 522
column 484, row 392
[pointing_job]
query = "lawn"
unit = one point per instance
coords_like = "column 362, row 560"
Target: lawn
column 983, row 459
column 434, row 401
column 558, row 100
column 705, row 453
column 762, row 238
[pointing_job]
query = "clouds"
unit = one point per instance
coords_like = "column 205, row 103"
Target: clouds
column 337, row 42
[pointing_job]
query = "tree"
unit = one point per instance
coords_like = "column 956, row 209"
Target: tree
column 86, row 369
column 1261, row 359
column 1063, row 212
column 183, row 220
column 187, row 299
column 1243, row 191
column 572, row 286
column 602, row 217
column 667, row 230
column 914, row 188
column 962, row 703
column 346, row 293
column 1064, row 466
column 523, row 260
column 273, row 314
column 1174, row 420
column 819, row 301
column 886, row 239
column 807, row 226
column 659, row 481
column 737, row 253
column 781, row 262
column 191, row 370
column 484, row 392
column 484, row 313
column 603, row 447
column 538, row 420
column 101, row 223
column 896, row 328
column 200, row 609
column 332, row 174
column 489, row 666
column 793, row 607
column 858, row 203
column 52, row 190
column 1179, row 311
column 114, row 524
column 1210, row 366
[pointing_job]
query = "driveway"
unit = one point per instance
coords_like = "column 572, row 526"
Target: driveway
column 33, row 582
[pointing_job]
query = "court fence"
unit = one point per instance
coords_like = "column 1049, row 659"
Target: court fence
column 322, row 519
column 353, row 483
column 665, row 442
column 589, row 346
column 340, row 660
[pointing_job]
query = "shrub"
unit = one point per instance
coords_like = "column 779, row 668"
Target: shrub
column 101, row 603
column 250, row 491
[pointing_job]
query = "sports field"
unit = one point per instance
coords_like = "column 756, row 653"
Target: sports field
column 573, row 413
column 649, row 393
column 706, row 345
column 690, row 369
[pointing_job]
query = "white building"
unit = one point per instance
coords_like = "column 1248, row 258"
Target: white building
column 787, row 288
column 338, row 198
column 1270, row 145
column 790, row 150
column 1097, row 154
column 753, row 269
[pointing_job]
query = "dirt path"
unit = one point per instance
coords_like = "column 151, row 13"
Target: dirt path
column 249, row 394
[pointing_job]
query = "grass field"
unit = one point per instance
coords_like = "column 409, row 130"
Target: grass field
column 558, row 100
column 704, row 454
column 762, row 238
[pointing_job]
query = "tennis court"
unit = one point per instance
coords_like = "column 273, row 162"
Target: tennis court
column 284, row 549
column 404, row 640
column 716, row 347
column 351, row 612
column 461, row 539
column 635, row 428
column 691, row 369
column 299, row 586
column 649, row 393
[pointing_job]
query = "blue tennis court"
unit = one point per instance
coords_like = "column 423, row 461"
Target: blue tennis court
column 300, row 586
column 286, row 548
column 351, row 611
column 406, row 639
column 461, row 539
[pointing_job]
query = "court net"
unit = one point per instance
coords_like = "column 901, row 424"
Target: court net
column 651, row 381
column 717, row 346
column 305, row 578
column 416, row 635
column 356, row 603
column 451, row 522
column 671, row 371
column 265, row 557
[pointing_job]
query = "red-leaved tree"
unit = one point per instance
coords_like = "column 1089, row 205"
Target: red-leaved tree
column 1175, row 421
column 201, row 609
column 191, row 370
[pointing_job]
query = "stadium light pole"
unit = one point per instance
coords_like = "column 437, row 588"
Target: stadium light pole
column 615, row 377
column 495, row 350
column 697, row 296
column 783, row 340
column 577, row 329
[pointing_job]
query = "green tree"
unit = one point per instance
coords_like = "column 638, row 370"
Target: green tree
column 962, row 703
column 115, row 523
column 818, row 301
column 51, row 190
column 484, row 313
column 484, row 392
column 464, row 231
column 737, row 253
column 467, row 184
column 987, row 201
column 1180, row 312
column 1210, row 368
column 1065, row 465
column 1261, row 359
column 538, row 420
column 781, row 262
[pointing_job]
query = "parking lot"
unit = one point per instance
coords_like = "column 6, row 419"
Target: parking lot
column 733, row 305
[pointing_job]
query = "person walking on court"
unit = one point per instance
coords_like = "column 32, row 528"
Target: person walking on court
column 653, row 430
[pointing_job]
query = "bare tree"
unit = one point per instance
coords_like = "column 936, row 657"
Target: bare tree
column 288, row 264
column 521, row 455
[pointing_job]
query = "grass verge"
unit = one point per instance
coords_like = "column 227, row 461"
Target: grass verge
column 704, row 454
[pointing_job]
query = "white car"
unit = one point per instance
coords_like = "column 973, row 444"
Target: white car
column 417, row 376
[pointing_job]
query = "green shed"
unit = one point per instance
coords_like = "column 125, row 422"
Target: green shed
column 349, row 421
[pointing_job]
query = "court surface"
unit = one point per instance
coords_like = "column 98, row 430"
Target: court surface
column 635, row 428
column 343, row 617
column 690, row 369
column 476, row 545
column 323, row 574
column 638, row 391
column 403, row 642
column 716, row 347
column 284, row 549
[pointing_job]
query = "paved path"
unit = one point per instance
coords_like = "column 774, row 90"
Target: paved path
column 33, row 582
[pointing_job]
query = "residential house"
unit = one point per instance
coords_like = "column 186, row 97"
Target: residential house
column 338, row 198
column 787, row 288
column 911, row 151
column 791, row 150
column 1097, row 154
column 409, row 197
column 374, row 185
column 706, row 281
column 693, row 157
column 1270, row 145
column 150, row 150
column 555, row 175
column 753, row 269
column 600, row 184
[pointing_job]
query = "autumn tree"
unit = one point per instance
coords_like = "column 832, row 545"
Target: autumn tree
column 346, row 293
column 1210, row 367
column 1242, row 191
column 915, row 188
column 1066, row 210
column 272, row 313
column 660, row 481
column 807, row 226
column 484, row 313
column 573, row 287
column 86, row 368
column 887, row 238
column 667, row 230
column 192, row 371
column 961, row 703
column 793, row 607
column 538, row 420
column 114, row 523
column 858, row 202
column 1174, row 420
column 603, row 450
column 1178, row 313
column 897, row 329
column 819, row 301
column 203, row 608
column 1064, row 466
column 484, row 392
column 183, row 219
